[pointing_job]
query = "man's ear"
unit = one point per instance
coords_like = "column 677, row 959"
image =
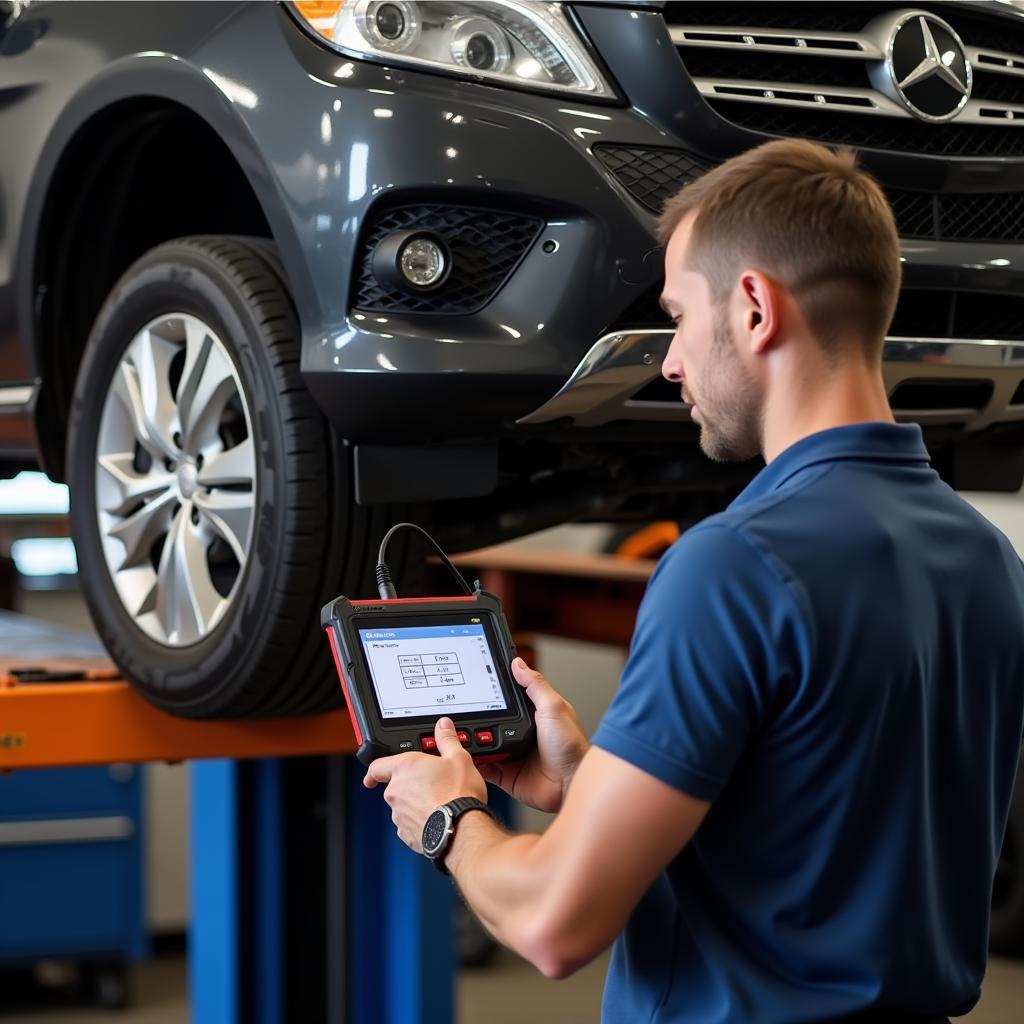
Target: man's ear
column 761, row 309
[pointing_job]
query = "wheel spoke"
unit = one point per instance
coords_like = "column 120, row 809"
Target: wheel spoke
column 129, row 487
column 232, row 467
column 198, row 344
column 207, row 384
column 144, row 384
column 187, row 601
column 138, row 587
column 140, row 531
column 229, row 513
column 128, row 389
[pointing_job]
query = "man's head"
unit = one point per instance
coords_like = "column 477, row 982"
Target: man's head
column 786, row 244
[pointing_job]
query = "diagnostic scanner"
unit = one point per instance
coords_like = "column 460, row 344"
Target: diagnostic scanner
column 403, row 663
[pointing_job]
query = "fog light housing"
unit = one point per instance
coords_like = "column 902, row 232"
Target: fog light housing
column 414, row 261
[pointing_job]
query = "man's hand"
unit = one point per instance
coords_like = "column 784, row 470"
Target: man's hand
column 543, row 778
column 417, row 784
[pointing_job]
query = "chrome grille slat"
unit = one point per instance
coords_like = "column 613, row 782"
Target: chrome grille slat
column 996, row 62
column 846, row 45
column 796, row 66
column 861, row 101
column 864, row 101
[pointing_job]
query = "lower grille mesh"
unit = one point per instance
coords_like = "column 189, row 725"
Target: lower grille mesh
column 653, row 175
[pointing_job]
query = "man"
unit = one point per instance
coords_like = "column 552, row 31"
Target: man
column 793, row 808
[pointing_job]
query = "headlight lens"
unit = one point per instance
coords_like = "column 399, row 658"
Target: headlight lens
column 503, row 41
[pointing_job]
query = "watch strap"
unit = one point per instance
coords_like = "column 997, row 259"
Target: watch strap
column 467, row 803
column 457, row 808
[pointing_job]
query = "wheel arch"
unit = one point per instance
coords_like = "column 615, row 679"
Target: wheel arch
column 151, row 150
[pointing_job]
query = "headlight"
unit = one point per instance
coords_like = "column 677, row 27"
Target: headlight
column 501, row 41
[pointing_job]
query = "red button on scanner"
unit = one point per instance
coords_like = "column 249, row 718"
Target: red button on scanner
column 485, row 737
column 428, row 743
column 463, row 737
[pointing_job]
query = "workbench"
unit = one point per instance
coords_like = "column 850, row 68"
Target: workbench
column 305, row 907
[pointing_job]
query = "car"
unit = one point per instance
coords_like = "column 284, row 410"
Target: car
column 275, row 276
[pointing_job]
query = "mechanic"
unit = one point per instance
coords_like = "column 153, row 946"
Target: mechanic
column 793, row 808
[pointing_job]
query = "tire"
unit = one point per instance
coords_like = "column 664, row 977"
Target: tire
column 1006, row 932
column 195, row 357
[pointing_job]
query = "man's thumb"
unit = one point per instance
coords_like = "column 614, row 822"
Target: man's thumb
column 446, row 736
column 541, row 692
column 523, row 673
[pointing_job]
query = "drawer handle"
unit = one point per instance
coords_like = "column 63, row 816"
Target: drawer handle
column 66, row 830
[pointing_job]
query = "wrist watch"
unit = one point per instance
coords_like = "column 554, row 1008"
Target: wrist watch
column 440, row 827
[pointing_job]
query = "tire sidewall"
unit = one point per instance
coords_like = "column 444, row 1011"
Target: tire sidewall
column 166, row 282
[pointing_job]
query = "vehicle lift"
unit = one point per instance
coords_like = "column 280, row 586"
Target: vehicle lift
column 304, row 906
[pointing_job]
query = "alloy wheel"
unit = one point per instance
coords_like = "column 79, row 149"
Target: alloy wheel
column 176, row 480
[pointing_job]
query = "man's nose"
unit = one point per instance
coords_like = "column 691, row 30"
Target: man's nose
column 672, row 368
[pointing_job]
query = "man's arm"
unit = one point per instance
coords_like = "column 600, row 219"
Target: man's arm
column 560, row 898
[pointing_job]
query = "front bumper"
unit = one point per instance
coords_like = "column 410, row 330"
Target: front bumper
column 349, row 138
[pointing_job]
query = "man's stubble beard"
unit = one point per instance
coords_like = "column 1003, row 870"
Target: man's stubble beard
column 730, row 405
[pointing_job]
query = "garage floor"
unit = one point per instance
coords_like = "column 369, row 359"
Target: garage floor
column 506, row 992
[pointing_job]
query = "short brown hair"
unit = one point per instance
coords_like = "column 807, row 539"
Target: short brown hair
column 806, row 216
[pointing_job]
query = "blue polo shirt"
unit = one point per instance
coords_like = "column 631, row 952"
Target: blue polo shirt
column 836, row 662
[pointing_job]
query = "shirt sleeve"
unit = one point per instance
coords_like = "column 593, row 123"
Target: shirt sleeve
column 719, row 643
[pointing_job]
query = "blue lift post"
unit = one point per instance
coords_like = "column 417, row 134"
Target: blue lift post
column 394, row 940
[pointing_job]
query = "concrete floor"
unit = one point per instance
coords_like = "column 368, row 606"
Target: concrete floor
column 508, row 991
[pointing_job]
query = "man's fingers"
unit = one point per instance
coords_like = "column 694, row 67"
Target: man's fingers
column 380, row 771
column 447, row 738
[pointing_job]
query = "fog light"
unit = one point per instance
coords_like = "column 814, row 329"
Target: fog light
column 416, row 261
column 422, row 262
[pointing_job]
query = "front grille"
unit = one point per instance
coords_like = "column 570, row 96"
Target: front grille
column 485, row 247
column 920, row 313
column 799, row 69
column 653, row 175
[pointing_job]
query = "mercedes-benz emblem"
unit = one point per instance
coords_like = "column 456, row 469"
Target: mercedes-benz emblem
column 928, row 66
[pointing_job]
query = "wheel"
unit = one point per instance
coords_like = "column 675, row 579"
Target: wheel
column 1006, row 933
column 209, row 499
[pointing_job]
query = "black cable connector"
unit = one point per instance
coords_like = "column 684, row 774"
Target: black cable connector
column 385, row 587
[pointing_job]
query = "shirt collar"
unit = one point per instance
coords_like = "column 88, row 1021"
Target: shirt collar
column 870, row 442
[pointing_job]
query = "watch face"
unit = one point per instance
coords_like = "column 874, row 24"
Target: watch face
column 434, row 831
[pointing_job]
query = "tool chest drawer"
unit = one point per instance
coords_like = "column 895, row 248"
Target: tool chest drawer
column 71, row 880
column 65, row 792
